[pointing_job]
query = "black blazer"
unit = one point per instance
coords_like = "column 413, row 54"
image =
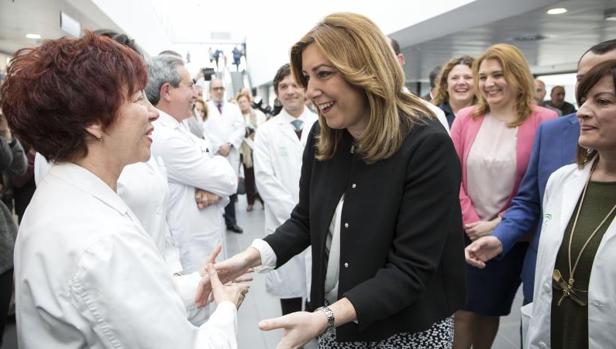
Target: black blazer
column 401, row 244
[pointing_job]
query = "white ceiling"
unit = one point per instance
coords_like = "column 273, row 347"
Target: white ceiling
column 453, row 27
column 21, row 17
column 566, row 37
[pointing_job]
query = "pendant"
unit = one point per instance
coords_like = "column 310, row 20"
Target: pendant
column 566, row 288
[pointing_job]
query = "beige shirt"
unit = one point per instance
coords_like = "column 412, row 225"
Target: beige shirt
column 491, row 167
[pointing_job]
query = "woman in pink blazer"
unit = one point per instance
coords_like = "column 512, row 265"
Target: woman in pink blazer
column 493, row 140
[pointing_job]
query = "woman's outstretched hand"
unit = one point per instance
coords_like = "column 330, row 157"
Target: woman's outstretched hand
column 299, row 328
column 236, row 267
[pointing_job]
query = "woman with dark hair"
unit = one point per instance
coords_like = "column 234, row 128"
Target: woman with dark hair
column 87, row 274
column 455, row 88
column 573, row 304
column 377, row 202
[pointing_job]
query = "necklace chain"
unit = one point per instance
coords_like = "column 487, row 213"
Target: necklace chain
column 592, row 235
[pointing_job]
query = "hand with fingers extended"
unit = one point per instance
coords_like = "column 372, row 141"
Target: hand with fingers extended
column 239, row 266
column 480, row 251
column 205, row 287
column 299, row 328
column 230, row 270
column 232, row 292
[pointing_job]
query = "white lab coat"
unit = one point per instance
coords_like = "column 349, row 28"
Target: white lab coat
column 143, row 187
column 277, row 154
column 88, row 276
column 561, row 196
column 226, row 128
column 190, row 165
column 41, row 167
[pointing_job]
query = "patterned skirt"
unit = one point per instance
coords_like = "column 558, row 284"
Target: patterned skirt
column 438, row 336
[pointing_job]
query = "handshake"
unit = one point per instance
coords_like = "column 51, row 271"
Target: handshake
column 228, row 281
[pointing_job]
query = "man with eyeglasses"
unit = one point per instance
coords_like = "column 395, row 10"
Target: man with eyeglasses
column 225, row 127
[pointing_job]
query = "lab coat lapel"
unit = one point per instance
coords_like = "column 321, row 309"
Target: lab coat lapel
column 571, row 195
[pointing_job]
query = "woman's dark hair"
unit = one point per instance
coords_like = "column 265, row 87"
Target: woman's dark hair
column 54, row 91
column 589, row 80
column 119, row 37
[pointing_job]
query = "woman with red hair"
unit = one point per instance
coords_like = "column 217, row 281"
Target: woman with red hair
column 86, row 272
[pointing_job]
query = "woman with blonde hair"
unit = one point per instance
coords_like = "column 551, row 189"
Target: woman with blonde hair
column 455, row 88
column 493, row 140
column 377, row 205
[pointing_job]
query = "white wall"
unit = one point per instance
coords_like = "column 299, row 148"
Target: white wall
column 271, row 26
column 268, row 42
column 141, row 20
column 566, row 80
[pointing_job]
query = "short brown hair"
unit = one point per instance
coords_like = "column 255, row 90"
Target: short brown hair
column 589, row 80
column 54, row 91
column 517, row 74
column 283, row 72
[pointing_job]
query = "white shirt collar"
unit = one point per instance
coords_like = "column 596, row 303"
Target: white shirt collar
column 285, row 117
column 87, row 181
column 167, row 120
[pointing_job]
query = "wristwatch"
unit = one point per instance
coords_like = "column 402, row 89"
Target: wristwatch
column 330, row 318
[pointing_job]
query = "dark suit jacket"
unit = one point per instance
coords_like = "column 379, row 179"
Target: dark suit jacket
column 554, row 147
column 401, row 254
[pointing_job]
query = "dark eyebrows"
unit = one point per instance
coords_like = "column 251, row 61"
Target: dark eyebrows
column 609, row 93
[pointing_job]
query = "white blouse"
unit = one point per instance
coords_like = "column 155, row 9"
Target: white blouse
column 491, row 167
column 88, row 275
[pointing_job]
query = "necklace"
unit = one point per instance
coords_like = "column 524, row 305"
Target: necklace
column 567, row 287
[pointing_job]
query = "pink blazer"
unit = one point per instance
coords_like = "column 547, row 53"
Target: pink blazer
column 463, row 133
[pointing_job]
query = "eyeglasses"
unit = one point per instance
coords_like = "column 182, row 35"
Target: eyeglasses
column 218, row 88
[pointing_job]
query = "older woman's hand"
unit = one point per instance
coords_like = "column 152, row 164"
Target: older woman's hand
column 236, row 269
column 299, row 328
column 233, row 292
column 205, row 287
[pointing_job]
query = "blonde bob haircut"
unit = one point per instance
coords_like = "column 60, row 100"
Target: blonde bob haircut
column 516, row 73
column 360, row 52
column 442, row 95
